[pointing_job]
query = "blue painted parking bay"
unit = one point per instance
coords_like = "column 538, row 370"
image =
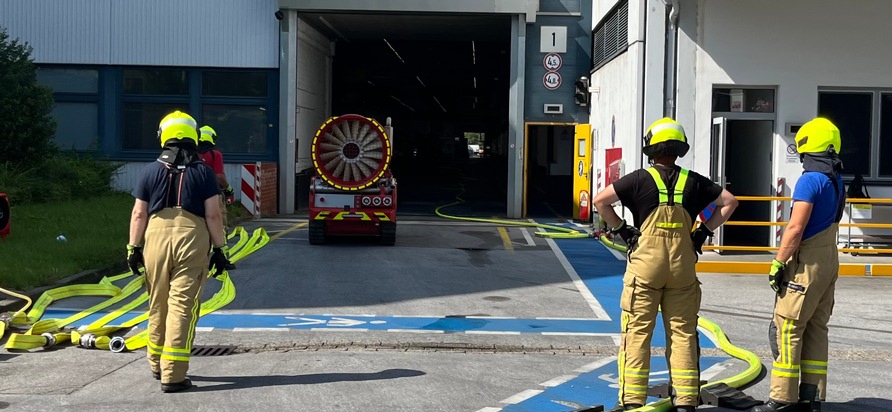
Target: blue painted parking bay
column 597, row 267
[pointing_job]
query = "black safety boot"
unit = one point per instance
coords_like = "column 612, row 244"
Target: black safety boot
column 685, row 408
column 229, row 265
column 176, row 387
column 156, row 375
column 629, row 407
column 808, row 398
column 775, row 406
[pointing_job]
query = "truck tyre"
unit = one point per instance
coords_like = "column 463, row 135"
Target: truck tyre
column 388, row 233
column 317, row 232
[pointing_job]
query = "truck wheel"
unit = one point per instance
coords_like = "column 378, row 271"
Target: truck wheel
column 317, row 232
column 388, row 233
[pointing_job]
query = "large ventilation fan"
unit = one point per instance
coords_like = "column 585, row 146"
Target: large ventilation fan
column 4, row 215
column 351, row 152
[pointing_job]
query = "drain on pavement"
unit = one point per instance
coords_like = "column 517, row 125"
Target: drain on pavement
column 212, row 350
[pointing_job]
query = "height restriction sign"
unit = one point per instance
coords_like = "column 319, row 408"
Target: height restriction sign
column 552, row 62
column 551, row 80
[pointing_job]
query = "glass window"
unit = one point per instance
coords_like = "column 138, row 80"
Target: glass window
column 851, row 112
column 743, row 100
column 69, row 80
column 243, row 84
column 77, row 125
column 885, row 135
column 141, row 123
column 156, row 82
column 240, row 128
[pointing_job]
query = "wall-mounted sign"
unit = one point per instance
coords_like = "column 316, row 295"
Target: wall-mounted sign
column 553, row 39
column 551, row 80
column 552, row 62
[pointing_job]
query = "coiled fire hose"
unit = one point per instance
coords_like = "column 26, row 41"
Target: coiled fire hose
column 754, row 365
column 46, row 333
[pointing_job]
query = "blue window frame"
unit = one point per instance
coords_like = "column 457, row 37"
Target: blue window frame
column 76, row 92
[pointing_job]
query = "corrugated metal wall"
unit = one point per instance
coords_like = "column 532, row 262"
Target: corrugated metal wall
column 208, row 33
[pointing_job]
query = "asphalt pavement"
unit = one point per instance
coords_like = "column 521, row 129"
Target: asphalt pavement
column 456, row 317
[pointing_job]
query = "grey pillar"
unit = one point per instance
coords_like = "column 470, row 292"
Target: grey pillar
column 287, row 106
column 515, row 116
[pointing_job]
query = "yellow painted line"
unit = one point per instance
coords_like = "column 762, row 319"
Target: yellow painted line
column 506, row 241
column 286, row 231
column 761, row 268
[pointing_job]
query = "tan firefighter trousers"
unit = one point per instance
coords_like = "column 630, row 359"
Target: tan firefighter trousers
column 177, row 245
column 661, row 273
column 801, row 314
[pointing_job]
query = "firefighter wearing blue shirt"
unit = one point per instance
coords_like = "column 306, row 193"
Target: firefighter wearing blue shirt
column 804, row 273
column 175, row 221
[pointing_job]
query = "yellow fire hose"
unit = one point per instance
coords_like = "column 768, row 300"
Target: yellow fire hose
column 6, row 319
column 40, row 333
column 754, row 365
column 559, row 232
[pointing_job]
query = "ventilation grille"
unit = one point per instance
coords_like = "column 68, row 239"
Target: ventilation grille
column 611, row 36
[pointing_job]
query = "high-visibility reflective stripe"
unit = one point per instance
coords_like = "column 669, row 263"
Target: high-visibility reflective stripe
column 686, row 374
column 787, row 346
column 175, row 357
column 153, row 349
column 678, row 191
column 785, row 370
column 637, row 374
column 382, row 216
column 814, row 363
column 813, row 371
column 664, row 126
column 785, row 374
column 176, row 350
column 322, row 215
column 621, row 360
column 669, row 225
column 686, row 390
column 179, row 120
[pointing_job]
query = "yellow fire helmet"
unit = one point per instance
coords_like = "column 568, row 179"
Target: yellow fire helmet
column 208, row 134
column 819, row 135
column 177, row 126
column 665, row 137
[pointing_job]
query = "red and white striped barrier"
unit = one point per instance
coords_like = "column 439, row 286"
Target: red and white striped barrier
column 779, row 211
column 251, row 188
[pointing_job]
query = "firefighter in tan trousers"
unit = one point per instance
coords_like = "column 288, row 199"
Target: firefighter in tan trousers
column 664, row 200
column 804, row 273
column 175, row 221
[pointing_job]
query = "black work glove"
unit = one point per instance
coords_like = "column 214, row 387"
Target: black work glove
column 229, row 191
column 776, row 275
column 628, row 233
column 698, row 236
column 218, row 262
column 135, row 258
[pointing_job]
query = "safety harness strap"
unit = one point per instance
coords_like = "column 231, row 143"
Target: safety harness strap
column 676, row 196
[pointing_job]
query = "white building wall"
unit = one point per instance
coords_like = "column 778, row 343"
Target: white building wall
column 207, row 33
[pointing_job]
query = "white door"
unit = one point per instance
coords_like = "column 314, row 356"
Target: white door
column 717, row 163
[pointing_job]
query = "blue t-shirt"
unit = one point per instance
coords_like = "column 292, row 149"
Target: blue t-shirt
column 817, row 189
column 199, row 184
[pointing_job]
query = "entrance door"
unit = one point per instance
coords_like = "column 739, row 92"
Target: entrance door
column 747, row 161
column 717, row 168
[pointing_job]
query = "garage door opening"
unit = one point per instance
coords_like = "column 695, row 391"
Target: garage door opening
column 444, row 82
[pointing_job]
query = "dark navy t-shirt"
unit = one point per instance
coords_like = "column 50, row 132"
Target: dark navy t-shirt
column 817, row 189
column 199, row 184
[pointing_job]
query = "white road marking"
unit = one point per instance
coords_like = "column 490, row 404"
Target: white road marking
column 595, row 365
column 339, row 329
column 526, row 235
column 593, row 303
column 415, row 331
column 520, row 397
column 558, row 381
column 490, row 332
column 261, row 330
column 203, row 329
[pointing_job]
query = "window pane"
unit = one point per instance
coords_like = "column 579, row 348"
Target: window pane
column 156, row 81
column 69, row 80
column 234, row 84
column 141, row 123
column 851, row 113
column 886, row 135
column 77, row 125
column 743, row 100
column 240, row 129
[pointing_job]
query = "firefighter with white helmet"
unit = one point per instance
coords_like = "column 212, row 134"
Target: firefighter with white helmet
column 664, row 200
column 804, row 273
column 175, row 221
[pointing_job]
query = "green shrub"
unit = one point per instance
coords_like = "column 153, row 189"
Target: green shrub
column 63, row 177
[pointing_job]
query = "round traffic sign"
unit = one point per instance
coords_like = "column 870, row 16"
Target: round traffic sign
column 551, row 80
column 552, row 62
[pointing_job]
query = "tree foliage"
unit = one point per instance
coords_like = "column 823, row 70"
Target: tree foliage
column 26, row 123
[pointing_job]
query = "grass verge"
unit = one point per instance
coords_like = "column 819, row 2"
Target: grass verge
column 95, row 230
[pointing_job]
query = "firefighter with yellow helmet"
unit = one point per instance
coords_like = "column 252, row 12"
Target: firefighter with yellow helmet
column 207, row 151
column 175, row 221
column 803, row 274
column 664, row 200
